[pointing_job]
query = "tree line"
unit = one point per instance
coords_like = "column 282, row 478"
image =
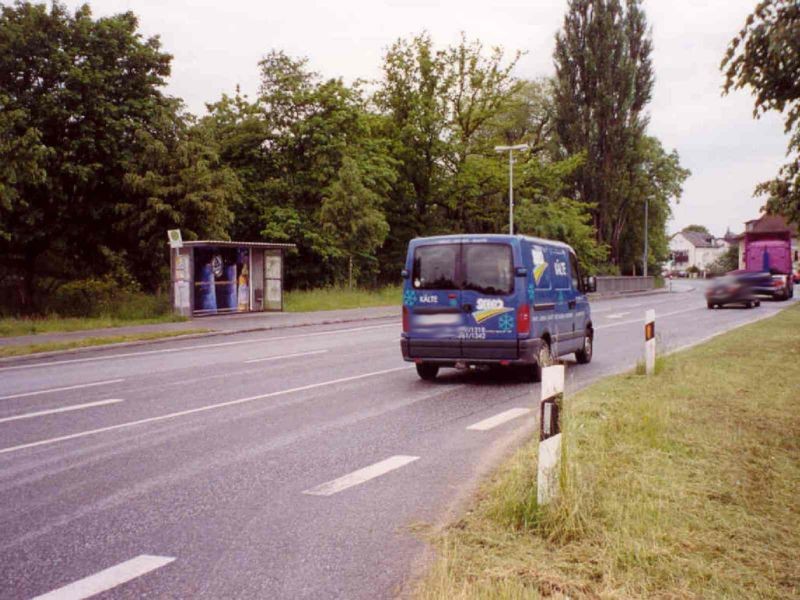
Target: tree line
column 97, row 161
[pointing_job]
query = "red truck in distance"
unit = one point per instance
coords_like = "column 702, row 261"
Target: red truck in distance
column 770, row 252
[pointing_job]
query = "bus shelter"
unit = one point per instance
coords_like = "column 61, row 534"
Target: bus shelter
column 217, row 277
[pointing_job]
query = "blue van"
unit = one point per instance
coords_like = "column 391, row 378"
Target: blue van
column 493, row 300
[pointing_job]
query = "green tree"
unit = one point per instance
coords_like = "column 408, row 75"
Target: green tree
column 177, row 182
column 351, row 214
column 658, row 181
column 697, row 229
column 729, row 261
column 287, row 147
column 765, row 57
column 567, row 220
column 442, row 106
column 74, row 93
column 604, row 80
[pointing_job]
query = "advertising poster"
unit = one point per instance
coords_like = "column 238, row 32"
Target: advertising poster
column 222, row 280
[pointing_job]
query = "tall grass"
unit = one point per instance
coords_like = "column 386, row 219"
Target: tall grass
column 335, row 298
column 127, row 308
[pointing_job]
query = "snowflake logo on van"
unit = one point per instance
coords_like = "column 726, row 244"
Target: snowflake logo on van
column 506, row 323
column 409, row 297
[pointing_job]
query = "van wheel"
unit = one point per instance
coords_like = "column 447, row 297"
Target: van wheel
column 427, row 372
column 710, row 304
column 543, row 359
column 584, row 355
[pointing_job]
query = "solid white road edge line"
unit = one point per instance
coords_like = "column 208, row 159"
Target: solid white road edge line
column 361, row 476
column 498, row 419
column 108, row 578
column 267, row 358
column 192, row 411
column 195, row 347
column 63, row 409
column 62, row 389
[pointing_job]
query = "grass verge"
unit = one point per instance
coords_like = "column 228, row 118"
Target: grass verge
column 7, row 351
column 683, row 485
column 335, row 298
column 13, row 326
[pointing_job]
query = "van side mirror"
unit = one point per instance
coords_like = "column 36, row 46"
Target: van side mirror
column 404, row 273
column 521, row 272
column 590, row 284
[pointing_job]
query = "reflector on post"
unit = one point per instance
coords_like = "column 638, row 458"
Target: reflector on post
column 650, row 341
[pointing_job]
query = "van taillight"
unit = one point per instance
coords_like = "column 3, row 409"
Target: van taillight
column 405, row 319
column 524, row 319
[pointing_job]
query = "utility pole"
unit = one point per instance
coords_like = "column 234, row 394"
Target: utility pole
column 644, row 257
column 510, row 150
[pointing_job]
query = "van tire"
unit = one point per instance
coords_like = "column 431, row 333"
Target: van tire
column 584, row 355
column 427, row 371
column 543, row 359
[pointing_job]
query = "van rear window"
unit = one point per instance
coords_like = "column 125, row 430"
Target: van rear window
column 488, row 268
column 435, row 267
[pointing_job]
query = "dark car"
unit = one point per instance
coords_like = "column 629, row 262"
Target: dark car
column 735, row 289
column 766, row 283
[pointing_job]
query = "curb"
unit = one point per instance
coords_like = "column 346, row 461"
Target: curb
column 23, row 358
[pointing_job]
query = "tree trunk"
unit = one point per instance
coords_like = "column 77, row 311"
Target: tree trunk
column 28, row 285
column 350, row 271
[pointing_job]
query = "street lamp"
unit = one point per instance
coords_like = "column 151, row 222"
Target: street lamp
column 510, row 150
column 644, row 257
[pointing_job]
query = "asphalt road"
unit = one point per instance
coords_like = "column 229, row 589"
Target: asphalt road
column 287, row 464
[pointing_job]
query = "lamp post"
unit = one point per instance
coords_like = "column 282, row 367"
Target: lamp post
column 644, row 258
column 510, row 150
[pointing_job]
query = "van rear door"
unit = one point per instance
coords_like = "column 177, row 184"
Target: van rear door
column 435, row 300
column 488, row 301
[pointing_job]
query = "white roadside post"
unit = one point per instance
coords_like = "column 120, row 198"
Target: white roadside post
column 550, row 433
column 650, row 341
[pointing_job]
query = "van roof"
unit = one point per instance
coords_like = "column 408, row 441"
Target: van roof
column 494, row 237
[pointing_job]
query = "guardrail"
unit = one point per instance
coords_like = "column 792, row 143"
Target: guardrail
column 612, row 284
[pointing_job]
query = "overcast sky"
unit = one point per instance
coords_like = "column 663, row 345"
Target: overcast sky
column 217, row 43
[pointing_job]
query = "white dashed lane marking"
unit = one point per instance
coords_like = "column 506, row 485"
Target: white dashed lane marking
column 361, row 476
column 108, row 578
column 499, row 419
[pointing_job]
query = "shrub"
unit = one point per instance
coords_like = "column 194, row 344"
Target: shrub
column 105, row 297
